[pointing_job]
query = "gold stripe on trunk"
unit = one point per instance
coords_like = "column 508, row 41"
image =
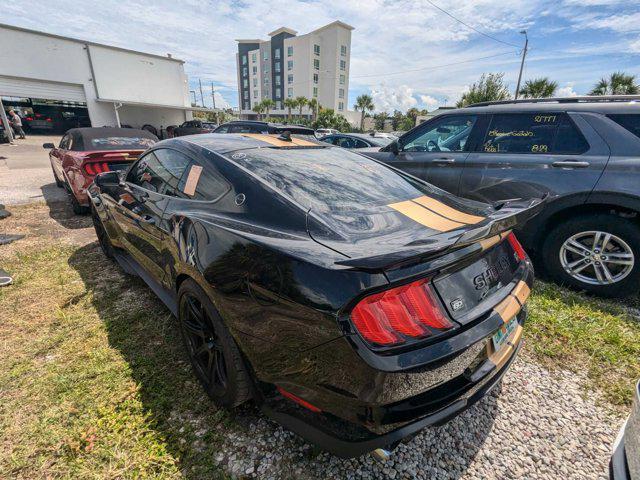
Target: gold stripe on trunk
column 425, row 217
column 508, row 308
column 447, row 211
column 521, row 292
column 489, row 242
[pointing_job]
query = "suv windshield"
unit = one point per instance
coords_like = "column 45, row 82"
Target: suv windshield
column 330, row 178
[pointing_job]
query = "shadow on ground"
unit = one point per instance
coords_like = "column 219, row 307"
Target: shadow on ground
column 60, row 210
column 205, row 441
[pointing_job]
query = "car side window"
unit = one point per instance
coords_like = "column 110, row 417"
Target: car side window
column 447, row 134
column 345, row 142
column 241, row 129
column 535, row 133
column 64, row 142
column 630, row 122
column 357, row 143
column 203, row 182
column 159, row 171
column 222, row 129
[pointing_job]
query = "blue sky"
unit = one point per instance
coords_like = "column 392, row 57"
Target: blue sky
column 402, row 51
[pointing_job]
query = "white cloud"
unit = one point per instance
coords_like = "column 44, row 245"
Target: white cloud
column 635, row 46
column 429, row 102
column 388, row 99
column 567, row 90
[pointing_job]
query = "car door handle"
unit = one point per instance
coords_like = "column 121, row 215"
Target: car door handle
column 444, row 161
column 570, row 164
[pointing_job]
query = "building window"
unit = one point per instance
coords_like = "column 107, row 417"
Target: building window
column 315, row 78
column 290, row 65
column 343, row 65
column 278, row 93
column 244, row 59
column 255, row 94
column 246, row 94
column 343, row 50
column 342, row 79
column 340, row 105
column 277, row 67
column 245, row 82
column 254, row 58
column 315, row 91
column 255, row 70
column 290, row 92
column 341, row 93
column 278, row 105
column 265, row 94
column 244, row 71
column 316, row 49
column 289, row 51
column 316, row 64
column 266, row 71
column 277, row 54
column 278, row 80
column 266, row 55
column 255, row 82
column 266, row 80
column 289, row 79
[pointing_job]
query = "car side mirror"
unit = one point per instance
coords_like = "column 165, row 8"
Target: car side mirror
column 48, row 146
column 107, row 179
column 394, row 147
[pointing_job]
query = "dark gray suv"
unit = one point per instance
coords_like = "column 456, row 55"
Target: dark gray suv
column 583, row 151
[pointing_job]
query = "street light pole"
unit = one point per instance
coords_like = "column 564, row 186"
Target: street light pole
column 195, row 101
column 524, row 55
column 201, row 96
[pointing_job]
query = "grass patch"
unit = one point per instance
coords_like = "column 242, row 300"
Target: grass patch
column 601, row 337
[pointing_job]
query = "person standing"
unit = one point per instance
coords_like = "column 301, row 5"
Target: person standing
column 16, row 123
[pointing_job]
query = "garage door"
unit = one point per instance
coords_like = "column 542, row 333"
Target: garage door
column 29, row 88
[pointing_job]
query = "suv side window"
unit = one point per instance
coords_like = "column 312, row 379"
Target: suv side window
column 630, row 122
column 159, row 171
column 541, row 133
column 447, row 134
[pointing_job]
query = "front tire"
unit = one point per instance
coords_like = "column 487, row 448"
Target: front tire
column 213, row 353
column 596, row 253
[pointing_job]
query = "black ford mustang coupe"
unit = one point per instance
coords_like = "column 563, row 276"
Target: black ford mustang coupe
column 355, row 303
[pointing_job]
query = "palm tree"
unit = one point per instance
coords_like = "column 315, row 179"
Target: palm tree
column 258, row 108
column 301, row 102
column 364, row 102
column 538, row 88
column 267, row 104
column 314, row 105
column 289, row 103
column 619, row 83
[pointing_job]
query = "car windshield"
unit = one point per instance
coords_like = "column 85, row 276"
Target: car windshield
column 380, row 141
column 328, row 178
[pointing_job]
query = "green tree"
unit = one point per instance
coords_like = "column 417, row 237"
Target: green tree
column 268, row 104
column 301, row 102
column 407, row 124
column 364, row 103
column 413, row 113
column 538, row 88
column 258, row 108
column 396, row 119
column 489, row 88
column 618, row 83
column 327, row 118
column 289, row 103
column 379, row 120
column 314, row 106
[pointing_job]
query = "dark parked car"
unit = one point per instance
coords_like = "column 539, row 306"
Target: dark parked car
column 357, row 140
column 83, row 153
column 625, row 461
column 354, row 303
column 584, row 152
column 194, row 127
column 250, row 126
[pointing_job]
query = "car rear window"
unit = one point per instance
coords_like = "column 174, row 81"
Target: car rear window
column 328, row 178
column 119, row 143
column 630, row 122
column 295, row 130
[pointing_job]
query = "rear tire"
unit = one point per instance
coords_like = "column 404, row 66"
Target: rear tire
column 613, row 272
column 213, row 353
column 103, row 236
column 75, row 205
column 59, row 183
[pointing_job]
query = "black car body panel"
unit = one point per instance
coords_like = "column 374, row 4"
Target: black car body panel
column 286, row 241
column 625, row 461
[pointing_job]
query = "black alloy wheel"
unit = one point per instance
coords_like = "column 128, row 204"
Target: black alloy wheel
column 214, row 355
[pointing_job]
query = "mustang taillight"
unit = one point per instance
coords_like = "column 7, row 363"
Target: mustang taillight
column 400, row 314
column 515, row 244
column 96, row 167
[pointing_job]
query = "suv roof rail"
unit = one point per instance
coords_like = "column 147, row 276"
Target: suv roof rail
column 580, row 99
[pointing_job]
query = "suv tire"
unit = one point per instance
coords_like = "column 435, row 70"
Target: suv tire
column 207, row 340
column 570, row 246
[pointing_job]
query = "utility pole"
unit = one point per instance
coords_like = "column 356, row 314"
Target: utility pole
column 524, row 55
column 201, row 96
column 213, row 96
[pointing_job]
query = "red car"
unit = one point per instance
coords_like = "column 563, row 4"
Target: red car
column 85, row 152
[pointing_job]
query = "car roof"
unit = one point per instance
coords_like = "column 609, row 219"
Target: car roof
column 604, row 104
column 229, row 142
column 270, row 124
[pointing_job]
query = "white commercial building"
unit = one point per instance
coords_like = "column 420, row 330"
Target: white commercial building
column 314, row 65
column 118, row 86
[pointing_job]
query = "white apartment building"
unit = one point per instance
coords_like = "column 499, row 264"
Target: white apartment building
column 314, row 65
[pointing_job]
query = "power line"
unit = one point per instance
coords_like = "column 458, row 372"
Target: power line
column 471, row 27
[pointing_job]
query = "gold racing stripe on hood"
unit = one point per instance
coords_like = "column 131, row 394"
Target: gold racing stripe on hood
column 447, row 211
column 276, row 142
column 425, row 217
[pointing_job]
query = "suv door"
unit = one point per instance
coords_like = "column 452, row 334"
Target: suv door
column 529, row 154
column 150, row 184
column 436, row 151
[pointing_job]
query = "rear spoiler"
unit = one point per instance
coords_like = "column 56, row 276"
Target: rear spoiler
column 507, row 215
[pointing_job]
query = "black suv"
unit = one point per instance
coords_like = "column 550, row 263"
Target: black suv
column 252, row 126
column 582, row 151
